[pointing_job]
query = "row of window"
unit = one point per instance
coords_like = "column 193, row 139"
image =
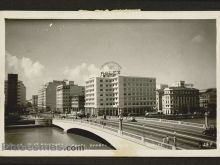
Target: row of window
column 108, row 80
column 139, row 89
column 109, row 99
column 174, row 106
column 110, row 89
column 88, row 104
column 139, row 79
column 109, row 94
column 139, row 84
column 90, row 81
column 139, row 98
column 179, row 101
column 90, row 95
column 89, row 90
column 90, row 99
column 103, row 104
column 181, row 92
column 139, row 103
column 138, row 94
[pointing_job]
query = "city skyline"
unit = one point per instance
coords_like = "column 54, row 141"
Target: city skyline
column 169, row 50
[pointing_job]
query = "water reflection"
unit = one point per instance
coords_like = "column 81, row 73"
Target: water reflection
column 51, row 135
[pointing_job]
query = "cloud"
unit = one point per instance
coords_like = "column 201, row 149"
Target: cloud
column 23, row 66
column 31, row 69
column 198, row 38
column 81, row 72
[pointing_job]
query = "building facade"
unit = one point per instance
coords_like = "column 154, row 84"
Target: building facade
column 207, row 100
column 159, row 94
column 47, row 96
column 78, row 103
column 15, row 93
column 35, row 102
column 111, row 94
column 64, row 94
column 180, row 99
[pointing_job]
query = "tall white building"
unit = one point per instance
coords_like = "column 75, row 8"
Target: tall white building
column 64, row 94
column 47, row 96
column 111, row 93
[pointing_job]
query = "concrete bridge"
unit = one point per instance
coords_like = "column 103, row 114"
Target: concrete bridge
column 115, row 139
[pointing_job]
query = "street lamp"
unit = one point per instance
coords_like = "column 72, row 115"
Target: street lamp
column 206, row 119
column 120, row 121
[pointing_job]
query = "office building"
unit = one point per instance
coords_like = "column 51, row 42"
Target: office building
column 207, row 100
column 47, row 96
column 112, row 94
column 159, row 94
column 180, row 99
column 35, row 102
column 78, row 103
column 15, row 93
column 64, row 94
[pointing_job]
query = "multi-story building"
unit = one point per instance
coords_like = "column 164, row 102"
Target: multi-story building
column 78, row 103
column 159, row 94
column 21, row 93
column 112, row 94
column 15, row 93
column 47, row 96
column 35, row 102
column 180, row 99
column 207, row 100
column 64, row 93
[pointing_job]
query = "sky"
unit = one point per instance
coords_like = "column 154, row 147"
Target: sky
column 169, row 50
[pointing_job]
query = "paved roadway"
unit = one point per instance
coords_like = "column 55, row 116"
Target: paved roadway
column 187, row 137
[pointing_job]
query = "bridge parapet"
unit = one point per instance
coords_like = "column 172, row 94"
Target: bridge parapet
column 121, row 138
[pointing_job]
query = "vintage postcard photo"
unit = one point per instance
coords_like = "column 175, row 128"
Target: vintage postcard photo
column 109, row 83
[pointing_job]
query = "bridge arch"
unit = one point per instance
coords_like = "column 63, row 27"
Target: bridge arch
column 90, row 135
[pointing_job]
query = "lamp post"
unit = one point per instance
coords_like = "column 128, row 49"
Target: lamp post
column 120, row 121
column 206, row 119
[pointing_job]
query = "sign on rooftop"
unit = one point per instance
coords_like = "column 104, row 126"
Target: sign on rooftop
column 110, row 69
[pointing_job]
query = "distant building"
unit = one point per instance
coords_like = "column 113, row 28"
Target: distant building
column 15, row 93
column 47, row 96
column 35, row 101
column 207, row 100
column 182, row 83
column 112, row 93
column 180, row 99
column 64, row 94
column 159, row 94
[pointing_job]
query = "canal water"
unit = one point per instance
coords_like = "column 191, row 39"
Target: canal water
column 50, row 135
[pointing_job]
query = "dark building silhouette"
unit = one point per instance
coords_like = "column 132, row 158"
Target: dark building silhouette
column 12, row 88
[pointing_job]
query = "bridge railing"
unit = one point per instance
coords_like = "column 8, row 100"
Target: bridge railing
column 167, row 121
column 125, row 134
column 174, row 122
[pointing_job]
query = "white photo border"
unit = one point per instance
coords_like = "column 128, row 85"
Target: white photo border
column 125, row 14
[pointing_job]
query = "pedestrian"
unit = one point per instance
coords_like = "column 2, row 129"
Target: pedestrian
column 174, row 141
column 168, row 139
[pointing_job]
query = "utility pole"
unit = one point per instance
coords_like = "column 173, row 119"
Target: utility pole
column 120, row 122
column 206, row 119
